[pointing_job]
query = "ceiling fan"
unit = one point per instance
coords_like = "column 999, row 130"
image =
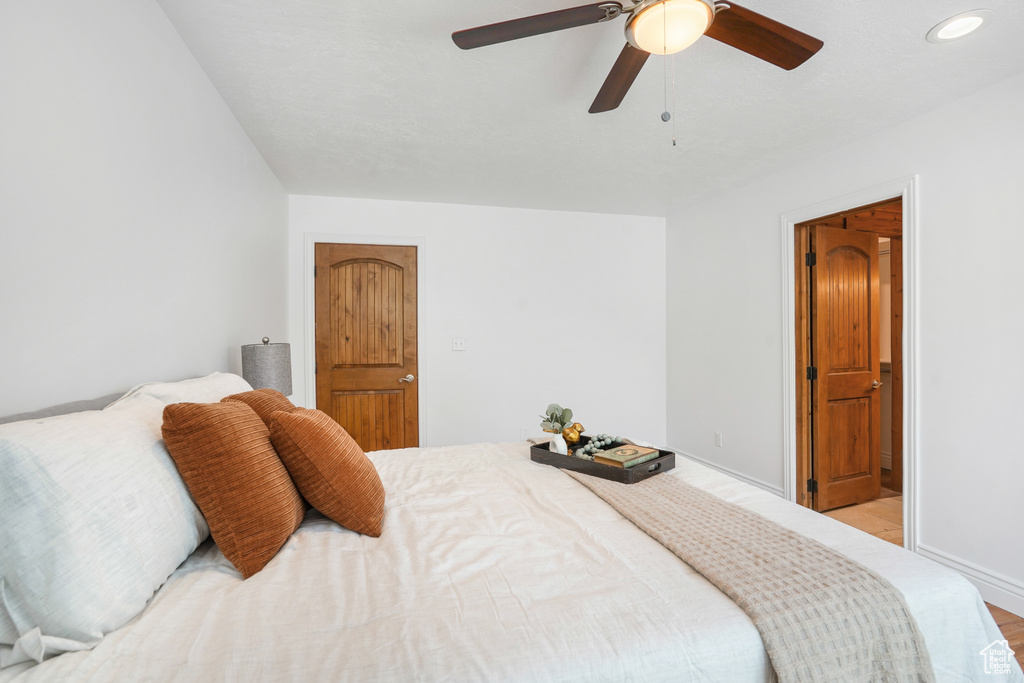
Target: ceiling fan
column 658, row 27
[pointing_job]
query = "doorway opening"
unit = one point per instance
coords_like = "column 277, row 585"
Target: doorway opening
column 849, row 360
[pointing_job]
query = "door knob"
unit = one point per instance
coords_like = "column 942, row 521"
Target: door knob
column 876, row 384
column 407, row 378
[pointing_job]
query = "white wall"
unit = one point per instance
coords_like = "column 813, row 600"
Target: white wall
column 555, row 307
column 725, row 322
column 142, row 236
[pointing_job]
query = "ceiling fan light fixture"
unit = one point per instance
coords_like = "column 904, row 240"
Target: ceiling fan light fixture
column 664, row 27
column 959, row 26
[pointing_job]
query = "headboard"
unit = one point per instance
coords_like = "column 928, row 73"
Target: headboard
column 64, row 408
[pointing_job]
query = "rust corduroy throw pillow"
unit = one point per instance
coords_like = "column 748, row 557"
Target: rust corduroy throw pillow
column 330, row 469
column 224, row 454
column 265, row 402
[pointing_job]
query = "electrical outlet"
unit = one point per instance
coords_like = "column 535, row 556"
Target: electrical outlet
column 718, row 439
column 458, row 343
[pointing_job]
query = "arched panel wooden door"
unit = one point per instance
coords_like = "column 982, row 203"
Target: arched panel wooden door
column 847, row 401
column 366, row 356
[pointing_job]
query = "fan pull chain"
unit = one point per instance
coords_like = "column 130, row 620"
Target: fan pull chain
column 664, row 47
column 673, row 99
column 666, row 115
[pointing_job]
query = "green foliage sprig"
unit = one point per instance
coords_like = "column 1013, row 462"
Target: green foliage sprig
column 556, row 418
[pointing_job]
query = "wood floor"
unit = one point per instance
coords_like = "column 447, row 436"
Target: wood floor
column 884, row 518
column 1012, row 627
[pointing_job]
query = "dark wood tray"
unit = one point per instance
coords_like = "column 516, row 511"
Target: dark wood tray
column 630, row 475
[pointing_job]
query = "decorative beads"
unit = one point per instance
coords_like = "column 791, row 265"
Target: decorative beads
column 597, row 443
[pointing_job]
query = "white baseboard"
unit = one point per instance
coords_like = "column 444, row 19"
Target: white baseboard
column 886, row 461
column 770, row 488
column 1001, row 591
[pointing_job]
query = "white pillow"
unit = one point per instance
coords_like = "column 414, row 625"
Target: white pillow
column 93, row 518
column 209, row 389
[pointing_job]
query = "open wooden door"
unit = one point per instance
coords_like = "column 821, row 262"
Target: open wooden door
column 846, row 398
column 366, row 356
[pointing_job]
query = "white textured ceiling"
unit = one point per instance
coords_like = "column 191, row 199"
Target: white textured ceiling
column 374, row 100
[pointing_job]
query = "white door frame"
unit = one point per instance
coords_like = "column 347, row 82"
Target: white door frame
column 908, row 189
column 310, row 240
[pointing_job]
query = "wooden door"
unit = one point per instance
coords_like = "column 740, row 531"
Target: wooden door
column 846, row 398
column 896, row 353
column 366, row 367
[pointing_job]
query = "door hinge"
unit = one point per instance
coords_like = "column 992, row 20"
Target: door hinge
column 812, row 373
column 314, row 271
column 314, row 368
column 811, row 258
column 812, row 486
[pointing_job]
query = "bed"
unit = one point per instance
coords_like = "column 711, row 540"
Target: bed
column 490, row 567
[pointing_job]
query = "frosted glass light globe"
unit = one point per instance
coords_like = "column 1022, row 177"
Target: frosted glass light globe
column 663, row 28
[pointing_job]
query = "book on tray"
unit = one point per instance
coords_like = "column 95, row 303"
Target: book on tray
column 626, row 456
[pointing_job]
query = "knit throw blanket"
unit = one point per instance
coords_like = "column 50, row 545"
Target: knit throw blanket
column 822, row 616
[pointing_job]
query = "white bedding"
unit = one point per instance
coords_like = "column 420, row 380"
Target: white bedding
column 492, row 567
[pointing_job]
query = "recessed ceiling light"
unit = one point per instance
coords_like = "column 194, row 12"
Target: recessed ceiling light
column 959, row 26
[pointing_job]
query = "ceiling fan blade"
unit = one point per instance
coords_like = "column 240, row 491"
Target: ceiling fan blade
column 536, row 25
column 620, row 78
column 762, row 37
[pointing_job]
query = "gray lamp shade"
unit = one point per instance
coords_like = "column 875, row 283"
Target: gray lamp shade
column 268, row 366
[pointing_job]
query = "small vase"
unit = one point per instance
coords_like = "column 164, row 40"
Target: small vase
column 558, row 445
